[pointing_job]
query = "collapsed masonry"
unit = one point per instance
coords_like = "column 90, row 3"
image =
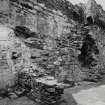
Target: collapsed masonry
column 32, row 77
column 51, row 35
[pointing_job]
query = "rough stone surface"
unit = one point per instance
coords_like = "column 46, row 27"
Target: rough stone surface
column 52, row 21
column 92, row 96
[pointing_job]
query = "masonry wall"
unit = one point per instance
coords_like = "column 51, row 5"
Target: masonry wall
column 51, row 21
column 7, row 73
column 45, row 21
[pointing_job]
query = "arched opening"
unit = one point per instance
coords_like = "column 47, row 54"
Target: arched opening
column 90, row 20
column 88, row 51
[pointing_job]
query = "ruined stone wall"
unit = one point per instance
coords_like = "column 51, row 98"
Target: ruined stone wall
column 7, row 74
column 46, row 21
column 51, row 21
column 4, row 11
column 38, row 18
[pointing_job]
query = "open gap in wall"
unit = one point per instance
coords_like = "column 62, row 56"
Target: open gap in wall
column 90, row 20
column 89, row 51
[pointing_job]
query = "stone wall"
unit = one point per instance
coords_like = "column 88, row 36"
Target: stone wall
column 43, row 20
column 52, row 21
column 7, row 73
column 38, row 18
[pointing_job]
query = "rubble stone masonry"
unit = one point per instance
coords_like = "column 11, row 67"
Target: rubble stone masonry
column 54, row 20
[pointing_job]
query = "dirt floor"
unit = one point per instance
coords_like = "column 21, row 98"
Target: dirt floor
column 26, row 101
column 18, row 101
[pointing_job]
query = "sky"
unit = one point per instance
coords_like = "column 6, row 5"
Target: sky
column 102, row 2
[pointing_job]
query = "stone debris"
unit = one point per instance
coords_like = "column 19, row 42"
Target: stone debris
column 12, row 96
column 45, row 90
column 46, row 62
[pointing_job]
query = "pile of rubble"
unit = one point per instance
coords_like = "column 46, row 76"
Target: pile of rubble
column 45, row 90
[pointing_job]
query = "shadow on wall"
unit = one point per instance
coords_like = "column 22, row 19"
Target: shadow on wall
column 90, row 20
column 24, row 32
column 88, row 51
